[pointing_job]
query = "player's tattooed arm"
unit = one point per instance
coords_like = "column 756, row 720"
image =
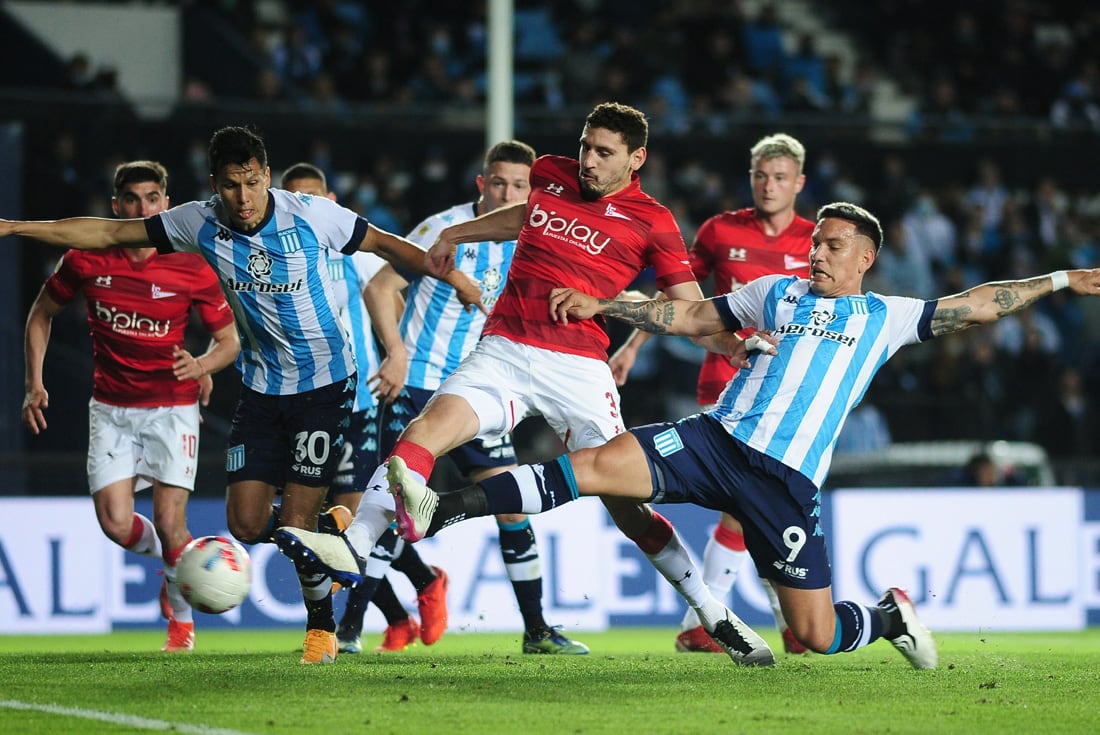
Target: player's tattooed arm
column 987, row 303
column 657, row 316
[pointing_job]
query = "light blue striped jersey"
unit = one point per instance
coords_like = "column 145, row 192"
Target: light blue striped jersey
column 791, row 406
column 276, row 278
column 437, row 330
column 350, row 274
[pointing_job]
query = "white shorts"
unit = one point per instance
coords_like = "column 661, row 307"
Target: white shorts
column 147, row 443
column 505, row 382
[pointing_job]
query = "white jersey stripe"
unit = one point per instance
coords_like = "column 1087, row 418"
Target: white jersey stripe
column 791, row 406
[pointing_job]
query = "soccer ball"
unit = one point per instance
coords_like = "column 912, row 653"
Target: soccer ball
column 214, row 574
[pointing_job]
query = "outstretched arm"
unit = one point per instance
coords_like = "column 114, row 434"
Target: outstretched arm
column 82, row 233
column 657, row 316
column 405, row 254
column 499, row 225
column 992, row 301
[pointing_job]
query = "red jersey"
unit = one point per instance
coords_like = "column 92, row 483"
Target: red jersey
column 597, row 247
column 734, row 247
column 137, row 313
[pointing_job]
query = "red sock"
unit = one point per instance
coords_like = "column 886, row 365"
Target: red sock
column 656, row 536
column 732, row 540
column 417, row 458
column 137, row 529
column 173, row 556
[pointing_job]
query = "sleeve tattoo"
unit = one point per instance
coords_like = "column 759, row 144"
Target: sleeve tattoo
column 654, row 316
column 1007, row 298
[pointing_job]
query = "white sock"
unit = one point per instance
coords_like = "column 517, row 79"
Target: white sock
column 148, row 544
column 373, row 517
column 675, row 564
column 181, row 611
column 720, row 567
column 777, row 611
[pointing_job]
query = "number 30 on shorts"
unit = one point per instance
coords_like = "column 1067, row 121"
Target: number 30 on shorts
column 312, row 446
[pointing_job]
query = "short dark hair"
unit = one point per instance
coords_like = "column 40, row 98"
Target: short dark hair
column 136, row 172
column 235, row 144
column 509, row 151
column 866, row 223
column 303, row 171
column 625, row 120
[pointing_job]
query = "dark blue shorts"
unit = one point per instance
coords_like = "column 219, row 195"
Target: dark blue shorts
column 695, row 460
column 361, row 454
column 473, row 455
column 297, row 438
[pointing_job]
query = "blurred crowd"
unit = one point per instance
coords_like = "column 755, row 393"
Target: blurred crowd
column 692, row 64
column 710, row 64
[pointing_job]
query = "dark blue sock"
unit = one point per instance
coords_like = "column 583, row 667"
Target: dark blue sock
column 521, row 561
column 856, row 626
column 531, row 488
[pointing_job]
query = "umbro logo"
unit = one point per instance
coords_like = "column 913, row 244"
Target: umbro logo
column 104, row 281
column 160, row 293
column 555, row 189
column 612, row 212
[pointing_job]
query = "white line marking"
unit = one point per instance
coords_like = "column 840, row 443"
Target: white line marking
column 143, row 723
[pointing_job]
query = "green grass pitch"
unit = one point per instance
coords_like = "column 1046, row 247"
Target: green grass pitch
column 633, row 682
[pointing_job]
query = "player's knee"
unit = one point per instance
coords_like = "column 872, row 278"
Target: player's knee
column 818, row 638
column 116, row 531
column 250, row 533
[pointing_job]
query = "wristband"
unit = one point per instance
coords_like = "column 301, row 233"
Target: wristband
column 1059, row 280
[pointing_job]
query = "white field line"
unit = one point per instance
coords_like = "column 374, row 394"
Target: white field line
column 142, row 723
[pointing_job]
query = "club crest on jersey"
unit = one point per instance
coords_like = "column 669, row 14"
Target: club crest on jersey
column 259, row 265
column 822, row 318
column 336, row 269
column 288, row 238
column 160, row 293
column 568, row 230
column 612, row 212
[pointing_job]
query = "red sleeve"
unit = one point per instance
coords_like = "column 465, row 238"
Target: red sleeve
column 667, row 252
column 701, row 254
column 65, row 282
column 209, row 301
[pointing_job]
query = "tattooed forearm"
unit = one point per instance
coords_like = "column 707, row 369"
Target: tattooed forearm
column 987, row 303
column 654, row 316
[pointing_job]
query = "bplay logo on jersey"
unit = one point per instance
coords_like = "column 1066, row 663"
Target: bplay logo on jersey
column 131, row 324
column 568, row 230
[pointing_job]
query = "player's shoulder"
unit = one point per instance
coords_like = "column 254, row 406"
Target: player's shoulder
column 555, row 168
column 425, row 233
column 802, row 226
column 744, row 217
